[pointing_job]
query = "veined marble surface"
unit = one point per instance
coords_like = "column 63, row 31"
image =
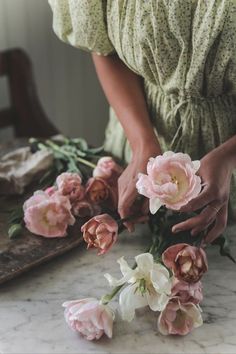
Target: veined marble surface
column 31, row 316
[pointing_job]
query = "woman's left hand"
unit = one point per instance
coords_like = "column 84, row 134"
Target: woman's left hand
column 216, row 172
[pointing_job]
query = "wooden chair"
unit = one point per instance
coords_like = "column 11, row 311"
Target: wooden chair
column 25, row 113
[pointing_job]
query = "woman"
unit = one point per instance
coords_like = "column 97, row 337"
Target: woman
column 170, row 65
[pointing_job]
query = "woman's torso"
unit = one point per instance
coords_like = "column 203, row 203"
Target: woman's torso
column 185, row 51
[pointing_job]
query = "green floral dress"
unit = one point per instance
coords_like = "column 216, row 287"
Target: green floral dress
column 185, row 50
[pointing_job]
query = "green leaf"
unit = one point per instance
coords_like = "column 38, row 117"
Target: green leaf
column 15, row 230
column 81, row 153
column 16, row 215
column 59, row 155
column 72, row 167
column 80, row 143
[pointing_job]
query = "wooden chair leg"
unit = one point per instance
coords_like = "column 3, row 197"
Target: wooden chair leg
column 29, row 118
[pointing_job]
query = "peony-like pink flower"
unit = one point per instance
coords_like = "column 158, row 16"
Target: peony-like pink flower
column 188, row 263
column 90, row 318
column 171, row 180
column 187, row 292
column 70, row 185
column 46, row 215
column 100, row 232
column 107, row 168
column 178, row 318
column 83, row 208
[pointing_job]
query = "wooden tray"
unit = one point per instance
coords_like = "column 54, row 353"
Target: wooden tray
column 21, row 254
column 27, row 251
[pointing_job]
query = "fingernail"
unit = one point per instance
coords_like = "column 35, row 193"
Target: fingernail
column 175, row 230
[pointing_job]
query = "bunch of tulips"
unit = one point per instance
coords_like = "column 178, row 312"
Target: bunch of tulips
column 167, row 280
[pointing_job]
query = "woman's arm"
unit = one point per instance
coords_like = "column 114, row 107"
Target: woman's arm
column 124, row 91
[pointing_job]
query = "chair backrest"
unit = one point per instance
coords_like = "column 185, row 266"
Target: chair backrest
column 25, row 113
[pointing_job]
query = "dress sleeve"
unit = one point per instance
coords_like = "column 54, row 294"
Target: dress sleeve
column 83, row 24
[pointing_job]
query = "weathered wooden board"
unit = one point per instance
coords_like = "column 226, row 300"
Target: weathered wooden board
column 27, row 251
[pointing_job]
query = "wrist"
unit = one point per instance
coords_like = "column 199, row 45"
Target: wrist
column 147, row 148
column 228, row 152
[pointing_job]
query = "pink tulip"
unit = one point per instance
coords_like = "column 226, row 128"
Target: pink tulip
column 107, row 168
column 46, row 215
column 179, row 318
column 70, row 185
column 171, row 180
column 100, row 191
column 188, row 263
column 90, row 318
column 187, row 292
column 100, row 232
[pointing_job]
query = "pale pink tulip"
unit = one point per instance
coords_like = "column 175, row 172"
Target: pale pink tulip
column 187, row 292
column 46, row 215
column 90, row 318
column 107, row 168
column 178, row 318
column 188, row 263
column 70, row 185
column 171, row 180
column 100, row 232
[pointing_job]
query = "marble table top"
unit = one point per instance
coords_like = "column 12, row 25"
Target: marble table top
column 31, row 316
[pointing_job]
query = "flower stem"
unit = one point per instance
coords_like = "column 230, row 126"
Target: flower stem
column 62, row 151
column 85, row 162
column 108, row 297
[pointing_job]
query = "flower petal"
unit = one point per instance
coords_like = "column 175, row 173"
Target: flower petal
column 107, row 321
column 160, row 279
column 157, row 302
column 196, row 165
column 129, row 300
column 144, row 262
column 154, row 205
column 124, row 267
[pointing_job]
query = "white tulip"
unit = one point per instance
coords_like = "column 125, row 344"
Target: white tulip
column 148, row 284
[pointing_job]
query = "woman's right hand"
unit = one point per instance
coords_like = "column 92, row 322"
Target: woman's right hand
column 127, row 202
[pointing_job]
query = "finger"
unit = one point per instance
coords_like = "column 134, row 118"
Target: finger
column 124, row 209
column 126, row 200
column 197, row 230
column 212, row 210
column 124, row 213
column 204, row 198
column 220, row 224
column 201, row 221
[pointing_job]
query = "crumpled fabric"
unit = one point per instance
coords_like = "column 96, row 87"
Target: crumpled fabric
column 20, row 167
